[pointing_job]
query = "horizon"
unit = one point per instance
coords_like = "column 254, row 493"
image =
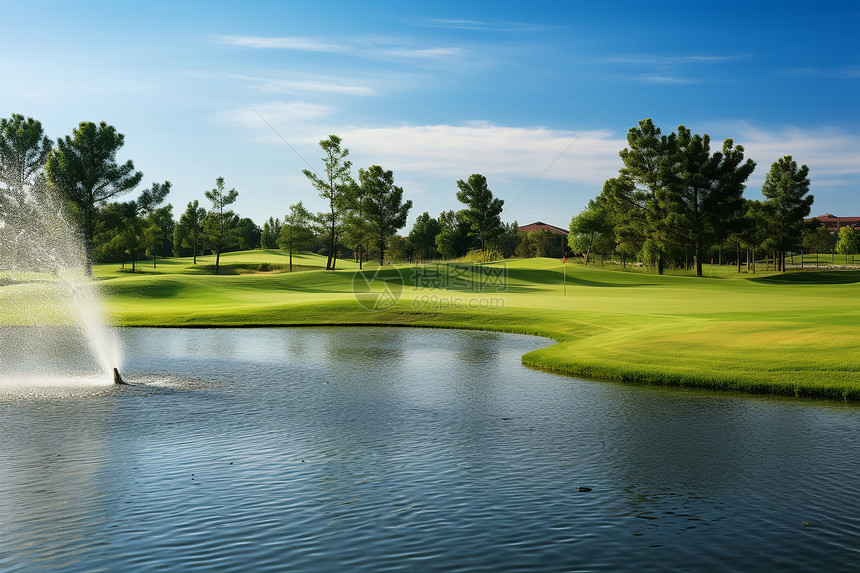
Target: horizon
column 537, row 99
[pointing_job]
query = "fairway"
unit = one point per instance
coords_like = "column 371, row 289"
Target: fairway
column 792, row 334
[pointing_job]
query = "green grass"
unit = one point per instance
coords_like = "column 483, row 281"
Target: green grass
column 795, row 334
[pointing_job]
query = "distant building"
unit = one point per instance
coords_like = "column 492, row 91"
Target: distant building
column 541, row 226
column 833, row 223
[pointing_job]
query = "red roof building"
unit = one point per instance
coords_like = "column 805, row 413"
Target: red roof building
column 541, row 226
column 833, row 223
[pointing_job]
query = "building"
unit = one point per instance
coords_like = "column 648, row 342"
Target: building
column 541, row 226
column 833, row 223
column 558, row 235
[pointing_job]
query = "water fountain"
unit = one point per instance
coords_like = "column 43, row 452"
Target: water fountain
column 53, row 326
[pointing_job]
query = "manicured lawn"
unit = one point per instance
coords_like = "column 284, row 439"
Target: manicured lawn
column 789, row 334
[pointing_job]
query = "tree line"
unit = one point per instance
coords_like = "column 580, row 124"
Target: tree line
column 674, row 200
column 671, row 203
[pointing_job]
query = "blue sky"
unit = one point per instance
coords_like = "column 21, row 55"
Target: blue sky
column 537, row 96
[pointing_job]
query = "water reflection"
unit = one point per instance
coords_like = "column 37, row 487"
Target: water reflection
column 375, row 449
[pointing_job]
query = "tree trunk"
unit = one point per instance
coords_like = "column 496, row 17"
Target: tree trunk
column 660, row 264
column 698, row 259
column 333, row 252
column 291, row 256
column 739, row 256
column 217, row 259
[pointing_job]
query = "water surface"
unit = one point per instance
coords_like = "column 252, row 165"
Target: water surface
column 375, row 449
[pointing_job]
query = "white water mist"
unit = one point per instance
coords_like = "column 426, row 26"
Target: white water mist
column 47, row 301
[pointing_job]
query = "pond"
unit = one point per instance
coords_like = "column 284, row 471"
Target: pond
column 391, row 449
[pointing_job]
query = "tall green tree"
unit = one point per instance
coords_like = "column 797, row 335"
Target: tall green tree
column 590, row 230
column 159, row 224
column 848, row 241
column 648, row 165
column 24, row 149
column 482, row 211
column 703, row 200
column 220, row 224
column 422, row 237
column 248, row 234
column 787, row 204
column 383, row 205
column 356, row 229
column 816, row 238
column 296, row 233
column 189, row 232
column 332, row 186
column 509, row 240
column 453, row 238
column 84, row 169
column 626, row 213
column 119, row 233
column 270, row 233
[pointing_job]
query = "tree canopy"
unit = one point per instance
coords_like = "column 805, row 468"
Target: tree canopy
column 482, row 211
column 383, row 205
column 84, row 170
column 220, row 224
column 332, row 186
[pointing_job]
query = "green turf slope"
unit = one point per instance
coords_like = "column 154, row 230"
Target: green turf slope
column 792, row 334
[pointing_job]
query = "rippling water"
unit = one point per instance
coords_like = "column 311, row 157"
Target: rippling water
column 406, row 450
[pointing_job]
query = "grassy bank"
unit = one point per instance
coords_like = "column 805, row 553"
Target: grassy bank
column 795, row 334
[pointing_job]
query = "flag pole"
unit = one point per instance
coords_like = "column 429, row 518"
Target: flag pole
column 563, row 273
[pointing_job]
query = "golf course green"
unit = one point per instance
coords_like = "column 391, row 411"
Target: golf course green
column 794, row 334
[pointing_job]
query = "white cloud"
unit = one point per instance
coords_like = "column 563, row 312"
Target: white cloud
column 289, row 43
column 483, row 25
column 665, row 60
column 312, row 86
column 376, row 48
column 664, row 79
column 422, row 54
column 277, row 113
column 830, row 153
column 481, row 147
column 281, row 82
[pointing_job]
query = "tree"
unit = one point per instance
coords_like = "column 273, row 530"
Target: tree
column 356, row 229
column 383, row 205
column 159, row 223
column 296, row 233
column 509, row 240
column 816, row 238
column 787, row 203
column 452, row 240
column 703, row 200
column 482, row 211
column 24, row 149
column 626, row 215
column 332, row 186
column 648, row 168
column 422, row 237
column 248, row 234
column 270, row 233
column 848, row 241
column 189, row 232
column 536, row 244
column 590, row 230
column 118, row 235
column 84, row 171
column 219, row 225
